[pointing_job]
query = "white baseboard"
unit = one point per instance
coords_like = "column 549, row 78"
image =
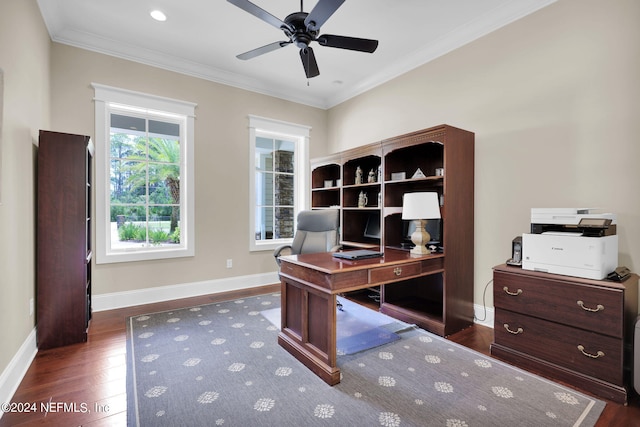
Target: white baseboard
column 17, row 368
column 483, row 315
column 114, row 300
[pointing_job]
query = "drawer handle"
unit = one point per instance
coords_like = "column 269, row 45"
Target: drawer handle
column 599, row 307
column 593, row 356
column 519, row 331
column 515, row 294
column 397, row 271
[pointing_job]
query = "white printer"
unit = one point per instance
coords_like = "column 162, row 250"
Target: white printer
column 571, row 241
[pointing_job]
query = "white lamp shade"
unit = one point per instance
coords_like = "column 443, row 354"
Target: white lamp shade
column 420, row 206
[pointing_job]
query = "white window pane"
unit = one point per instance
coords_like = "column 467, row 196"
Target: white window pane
column 123, row 145
column 264, row 189
column 264, row 154
column 264, row 224
column 164, row 150
column 128, row 227
column 284, row 190
column 164, row 225
column 128, row 181
column 284, row 223
column 284, row 156
column 164, row 184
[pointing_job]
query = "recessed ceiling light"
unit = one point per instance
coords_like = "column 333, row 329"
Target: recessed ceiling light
column 158, row 15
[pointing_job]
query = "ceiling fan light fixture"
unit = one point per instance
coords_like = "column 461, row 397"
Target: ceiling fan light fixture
column 302, row 28
column 158, row 15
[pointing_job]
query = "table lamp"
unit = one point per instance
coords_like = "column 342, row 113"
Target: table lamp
column 419, row 207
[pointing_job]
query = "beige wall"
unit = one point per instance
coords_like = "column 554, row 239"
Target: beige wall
column 222, row 159
column 554, row 101
column 24, row 57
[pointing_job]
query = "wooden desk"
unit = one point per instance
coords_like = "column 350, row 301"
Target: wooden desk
column 310, row 283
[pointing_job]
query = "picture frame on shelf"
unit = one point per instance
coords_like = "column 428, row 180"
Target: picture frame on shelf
column 418, row 174
column 397, row 176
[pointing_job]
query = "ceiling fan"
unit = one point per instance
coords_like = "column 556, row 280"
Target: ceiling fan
column 302, row 28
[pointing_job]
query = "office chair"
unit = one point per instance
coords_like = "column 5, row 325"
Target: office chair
column 317, row 231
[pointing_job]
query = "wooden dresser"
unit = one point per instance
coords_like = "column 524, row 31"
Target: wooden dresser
column 577, row 331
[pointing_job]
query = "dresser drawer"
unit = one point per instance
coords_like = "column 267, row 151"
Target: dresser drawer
column 593, row 308
column 385, row 274
column 582, row 351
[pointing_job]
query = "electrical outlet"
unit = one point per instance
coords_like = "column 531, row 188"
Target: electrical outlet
column 31, row 307
column 229, row 263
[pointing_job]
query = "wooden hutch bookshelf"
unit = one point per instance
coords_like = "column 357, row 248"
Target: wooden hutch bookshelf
column 443, row 302
column 64, row 247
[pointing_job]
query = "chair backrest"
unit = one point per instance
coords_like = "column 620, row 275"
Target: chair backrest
column 317, row 231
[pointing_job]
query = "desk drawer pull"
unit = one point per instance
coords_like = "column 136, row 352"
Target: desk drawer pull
column 593, row 356
column 397, row 271
column 599, row 307
column 515, row 294
column 516, row 332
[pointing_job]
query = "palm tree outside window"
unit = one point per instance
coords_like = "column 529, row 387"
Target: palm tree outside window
column 145, row 182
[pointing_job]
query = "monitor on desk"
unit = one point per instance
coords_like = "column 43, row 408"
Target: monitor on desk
column 372, row 229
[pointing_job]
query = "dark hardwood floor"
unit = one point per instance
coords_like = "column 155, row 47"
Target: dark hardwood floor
column 90, row 378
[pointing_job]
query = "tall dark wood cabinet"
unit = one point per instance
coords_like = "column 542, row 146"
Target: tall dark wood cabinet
column 367, row 184
column 64, row 247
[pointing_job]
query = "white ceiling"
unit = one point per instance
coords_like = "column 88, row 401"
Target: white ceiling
column 202, row 37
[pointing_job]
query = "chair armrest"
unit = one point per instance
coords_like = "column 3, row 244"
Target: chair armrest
column 336, row 248
column 279, row 251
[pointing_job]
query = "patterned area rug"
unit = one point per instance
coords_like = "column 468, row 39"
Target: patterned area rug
column 220, row 364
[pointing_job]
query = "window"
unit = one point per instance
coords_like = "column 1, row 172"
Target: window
column 144, row 176
column 279, row 180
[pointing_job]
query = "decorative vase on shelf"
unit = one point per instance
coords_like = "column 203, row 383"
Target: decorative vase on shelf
column 372, row 176
column 362, row 199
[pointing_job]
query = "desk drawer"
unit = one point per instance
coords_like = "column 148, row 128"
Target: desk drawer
column 590, row 307
column 403, row 271
column 582, row 351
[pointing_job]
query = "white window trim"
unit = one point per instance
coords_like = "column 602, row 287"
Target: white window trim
column 301, row 134
column 105, row 95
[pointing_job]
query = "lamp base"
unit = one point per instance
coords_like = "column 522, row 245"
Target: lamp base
column 420, row 238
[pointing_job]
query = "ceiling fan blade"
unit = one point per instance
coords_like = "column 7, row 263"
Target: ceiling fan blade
column 321, row 12
column 309, row 62
column 256, row 11
column 262, row 50
column 351, row 43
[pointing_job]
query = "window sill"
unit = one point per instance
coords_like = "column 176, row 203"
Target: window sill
column 141, row 255
column 269, row 246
